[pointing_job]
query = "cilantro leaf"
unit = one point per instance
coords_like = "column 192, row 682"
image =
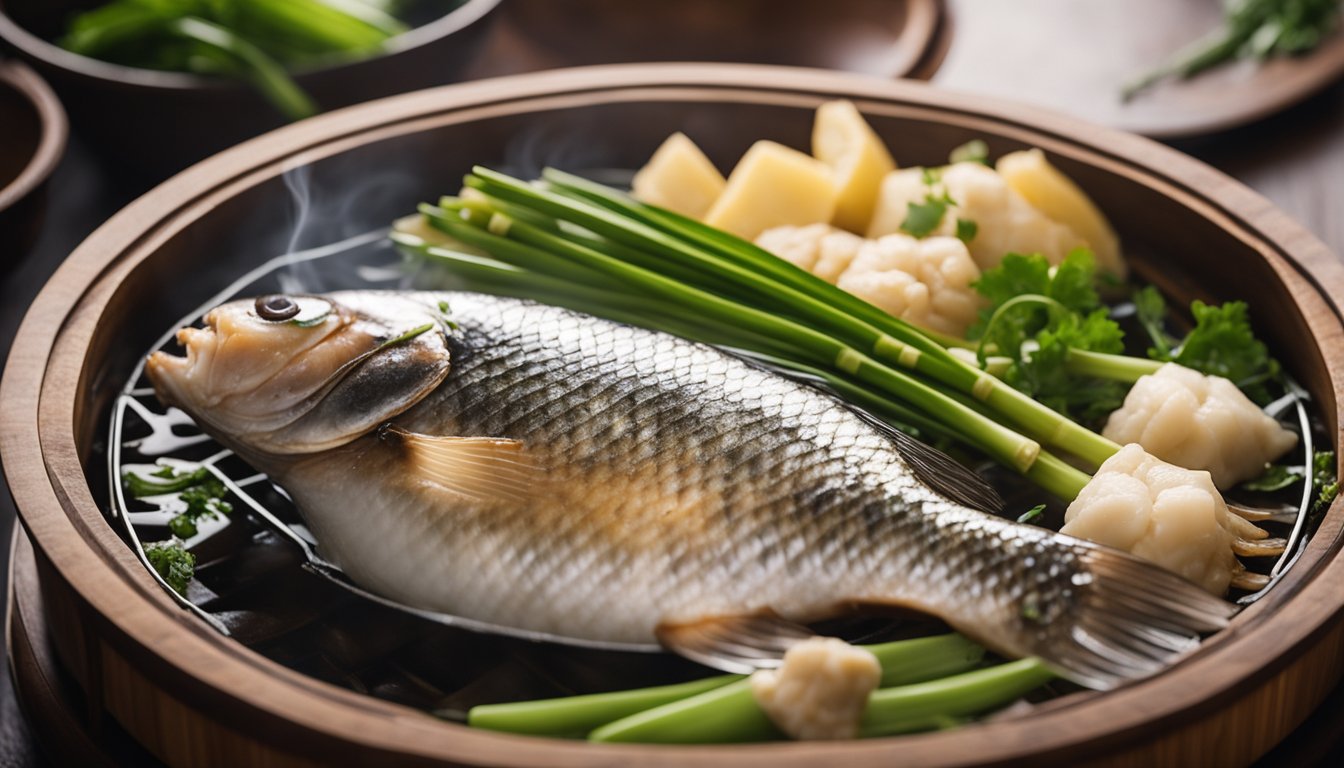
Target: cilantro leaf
column 1043, row 372
column 1275, row 478
column 1037, row 314
column 176, row 565
column 1071, row 283
column 1016, row 275
column 967, row 230
column 1151, row 310
column 921, row 219
column 1222, row 344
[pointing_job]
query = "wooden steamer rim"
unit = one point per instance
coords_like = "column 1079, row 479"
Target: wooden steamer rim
column 217, row 702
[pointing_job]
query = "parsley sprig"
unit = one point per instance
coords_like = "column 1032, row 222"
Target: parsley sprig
column 174, row 563
column 1037, row 316
column 1220, row 344
column 200, row 490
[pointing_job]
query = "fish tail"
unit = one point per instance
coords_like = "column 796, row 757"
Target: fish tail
column 1129, row 619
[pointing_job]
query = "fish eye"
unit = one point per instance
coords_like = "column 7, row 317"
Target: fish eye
column 276, row 307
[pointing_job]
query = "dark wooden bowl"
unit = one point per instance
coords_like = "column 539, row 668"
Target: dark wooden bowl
column 157, row 123
column 193, row 696
column 32, row 137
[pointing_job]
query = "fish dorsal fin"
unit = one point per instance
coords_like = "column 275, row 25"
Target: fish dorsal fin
column 480, row 468
column 740, row 644
column 940, row 471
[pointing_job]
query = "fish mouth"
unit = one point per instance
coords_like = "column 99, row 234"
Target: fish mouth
column 170, row 374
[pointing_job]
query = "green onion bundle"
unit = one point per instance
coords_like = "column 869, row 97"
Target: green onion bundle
column 926, row 682
column 571, row 242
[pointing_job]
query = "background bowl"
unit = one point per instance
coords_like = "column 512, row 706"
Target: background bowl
column 32, row 138
column 194, row 696
column 160, row 122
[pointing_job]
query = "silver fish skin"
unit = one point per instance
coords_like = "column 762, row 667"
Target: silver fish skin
column 655, row 482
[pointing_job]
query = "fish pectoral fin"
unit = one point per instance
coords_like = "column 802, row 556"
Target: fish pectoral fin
column 739, row 644
column 480, row 468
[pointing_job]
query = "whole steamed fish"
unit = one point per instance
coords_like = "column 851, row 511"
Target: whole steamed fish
column 568, row 477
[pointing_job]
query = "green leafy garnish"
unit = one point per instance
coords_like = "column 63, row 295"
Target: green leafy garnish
column 922, row 218
column 1276, row 478
column 967, row 230
column 176, row 565
column 973, row 151
column 142, row 486
column 1038, row 315
column 204, row 502
column 1324, row 479
column 1031, row 514
column 1220, row 344
column 1251, row 29
column 200, row 490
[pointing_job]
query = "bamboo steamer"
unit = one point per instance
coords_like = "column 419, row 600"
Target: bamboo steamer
column 194, row 697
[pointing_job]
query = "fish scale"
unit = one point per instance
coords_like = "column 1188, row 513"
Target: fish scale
column 675, row 484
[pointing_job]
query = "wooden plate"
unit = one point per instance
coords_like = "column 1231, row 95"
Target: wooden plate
column 193, row 696
column 1076, row 57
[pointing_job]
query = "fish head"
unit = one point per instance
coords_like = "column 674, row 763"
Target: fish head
column 298, row 374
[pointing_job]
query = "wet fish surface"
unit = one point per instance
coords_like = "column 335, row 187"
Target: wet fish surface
column 565, row 476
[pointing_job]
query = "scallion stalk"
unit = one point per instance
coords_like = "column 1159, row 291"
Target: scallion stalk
column 729, row 714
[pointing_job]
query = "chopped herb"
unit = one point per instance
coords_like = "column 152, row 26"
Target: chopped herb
column 1151, row 310
column 1037, row 314
column 973, row 151
column 922, row 218
column 407, row 336
column 1031, row 514
column 1220, row 344
column 174, row 564
column 141, row 486
column 204, row 502
column 967, row 230
column 1324, row 478
column 201, row 491
column 1251, row 29
column 444, row 309
column 447, row 313
column 1276, row 478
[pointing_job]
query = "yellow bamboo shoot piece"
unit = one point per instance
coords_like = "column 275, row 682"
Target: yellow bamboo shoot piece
column 1057, row 196
column 773, row 186
column 680, row 178
column 843, row 140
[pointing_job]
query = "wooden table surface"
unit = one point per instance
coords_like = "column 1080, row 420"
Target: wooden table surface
column 1295, row 158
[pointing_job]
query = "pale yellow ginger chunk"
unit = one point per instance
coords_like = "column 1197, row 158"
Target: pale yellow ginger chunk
column 773, row 186
column 679, row 177
column 926, row 282
column 1199, row 422
column 1163, row 513
column 1052, row 193
column 1005, row 221
column 844, row 141
column 821, row 690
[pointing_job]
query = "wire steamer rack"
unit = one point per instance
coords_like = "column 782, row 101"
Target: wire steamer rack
column 260, row 578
